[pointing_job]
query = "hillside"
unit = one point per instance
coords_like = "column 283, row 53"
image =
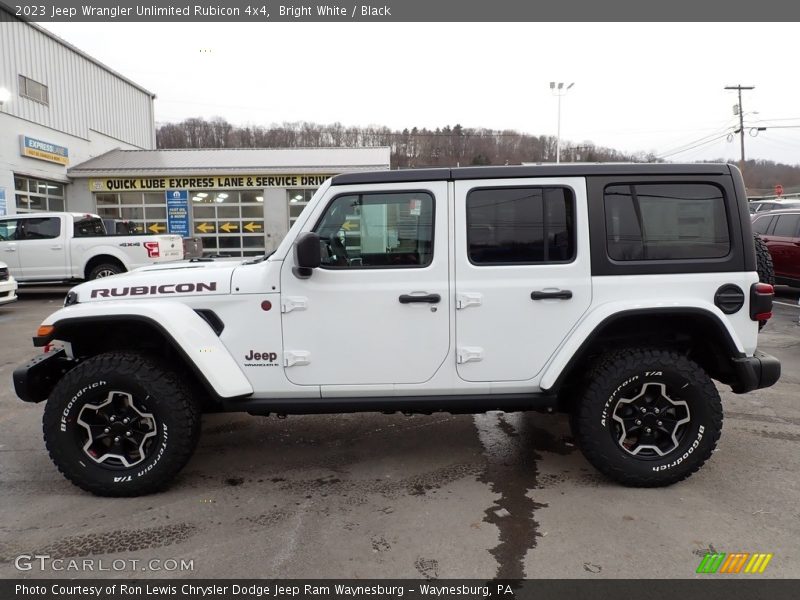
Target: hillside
column 446, row 146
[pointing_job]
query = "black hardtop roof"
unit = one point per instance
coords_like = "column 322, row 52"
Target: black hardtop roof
column 542, row 170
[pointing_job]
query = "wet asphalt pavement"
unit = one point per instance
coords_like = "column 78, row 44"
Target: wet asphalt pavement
column 442, row 496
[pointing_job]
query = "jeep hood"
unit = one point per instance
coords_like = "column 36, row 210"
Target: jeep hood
column 161, row 281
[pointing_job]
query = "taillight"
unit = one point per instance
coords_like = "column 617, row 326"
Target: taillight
column 152, row 249
column 761, row 295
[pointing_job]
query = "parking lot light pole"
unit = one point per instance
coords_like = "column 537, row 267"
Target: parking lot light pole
column 559, row 90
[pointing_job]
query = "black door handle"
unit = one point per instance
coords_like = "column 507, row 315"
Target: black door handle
column 559, row 295
column 430, row 298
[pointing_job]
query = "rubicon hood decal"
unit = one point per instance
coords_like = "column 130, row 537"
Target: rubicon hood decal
column 151, row 290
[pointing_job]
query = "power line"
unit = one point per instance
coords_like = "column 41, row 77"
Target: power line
column 705, row 143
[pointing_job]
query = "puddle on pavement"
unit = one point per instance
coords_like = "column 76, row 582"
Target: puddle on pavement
column 511, row 444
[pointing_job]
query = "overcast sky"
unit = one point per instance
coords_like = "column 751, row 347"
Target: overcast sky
column 638, row 87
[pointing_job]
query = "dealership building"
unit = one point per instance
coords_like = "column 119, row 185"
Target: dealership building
column 239, row 202
column 75, row 135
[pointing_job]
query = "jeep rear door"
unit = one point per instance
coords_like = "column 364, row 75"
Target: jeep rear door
column 522, row 273
column 376, row 311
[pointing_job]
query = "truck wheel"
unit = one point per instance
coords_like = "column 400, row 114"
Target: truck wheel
column 648, row 418
column 105, row 270
column 764, row 266
column 118, row 424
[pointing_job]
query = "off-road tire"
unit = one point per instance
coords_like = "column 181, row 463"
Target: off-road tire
column 621, row 375
column 154, row 389
column 764, row 266
column 105, row 270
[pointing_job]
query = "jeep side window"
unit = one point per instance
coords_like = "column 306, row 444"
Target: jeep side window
column 377, row 231
column 666, row 221
column 507, row 226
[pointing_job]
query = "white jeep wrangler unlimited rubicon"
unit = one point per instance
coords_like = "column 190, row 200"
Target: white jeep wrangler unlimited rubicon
column 615, row 293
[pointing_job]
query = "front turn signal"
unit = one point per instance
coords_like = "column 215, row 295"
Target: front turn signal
column 44, row 330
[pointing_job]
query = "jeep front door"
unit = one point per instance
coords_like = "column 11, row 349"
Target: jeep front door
column 522, row 273
column 376, row 310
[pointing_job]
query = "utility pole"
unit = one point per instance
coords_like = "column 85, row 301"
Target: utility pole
column 740, row 131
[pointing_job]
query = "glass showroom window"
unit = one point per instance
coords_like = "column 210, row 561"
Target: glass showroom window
column 147, row 212
column 38, row 195
column 230, row 223
column 298, row 200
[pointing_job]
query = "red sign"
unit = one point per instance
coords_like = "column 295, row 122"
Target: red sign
column 779, row 190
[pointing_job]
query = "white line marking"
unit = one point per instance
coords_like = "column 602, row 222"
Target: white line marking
column 786, row 304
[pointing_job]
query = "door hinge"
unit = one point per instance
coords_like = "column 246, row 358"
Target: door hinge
column 466, row 299
column 293, row 358
column 466, row 354
column 290, row 303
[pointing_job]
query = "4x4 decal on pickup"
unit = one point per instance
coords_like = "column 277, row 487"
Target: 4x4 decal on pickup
column 167, row 288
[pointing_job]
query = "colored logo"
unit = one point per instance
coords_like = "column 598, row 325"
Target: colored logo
column 43, row 150
column 733, row 563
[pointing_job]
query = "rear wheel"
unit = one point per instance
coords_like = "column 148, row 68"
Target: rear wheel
column 118, row 424
column 649, row 417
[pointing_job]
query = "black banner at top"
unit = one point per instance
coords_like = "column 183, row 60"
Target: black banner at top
column 254, row 11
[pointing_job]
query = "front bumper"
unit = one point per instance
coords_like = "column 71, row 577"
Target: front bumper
column 755, row 372
column 8, row 291
column 34, row 380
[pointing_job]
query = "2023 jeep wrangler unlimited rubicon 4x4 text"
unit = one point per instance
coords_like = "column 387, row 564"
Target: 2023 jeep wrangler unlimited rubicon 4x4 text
column 615, row 293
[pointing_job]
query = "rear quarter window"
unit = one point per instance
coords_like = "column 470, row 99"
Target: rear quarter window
column 665, row 221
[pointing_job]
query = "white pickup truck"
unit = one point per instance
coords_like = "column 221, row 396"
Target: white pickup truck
column 64, row 246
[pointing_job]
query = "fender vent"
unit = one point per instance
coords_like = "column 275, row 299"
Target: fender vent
column 729, row 298
column 210, row 317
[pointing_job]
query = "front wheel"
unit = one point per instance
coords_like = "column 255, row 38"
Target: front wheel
column 119, row 424
column 648, row 418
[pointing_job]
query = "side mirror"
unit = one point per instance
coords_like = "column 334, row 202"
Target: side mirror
column 306, row 254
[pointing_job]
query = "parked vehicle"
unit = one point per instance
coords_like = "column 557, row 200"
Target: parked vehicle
column 615, row 293
column 8, row 285
column 192, row 246
column 67, row 246
column 759, row 206
column 780, row 231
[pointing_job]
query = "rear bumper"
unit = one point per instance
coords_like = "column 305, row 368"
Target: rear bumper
column 755, row 372
column 34, row 380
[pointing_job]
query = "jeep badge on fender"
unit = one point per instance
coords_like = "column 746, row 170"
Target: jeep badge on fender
column 575, row 288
